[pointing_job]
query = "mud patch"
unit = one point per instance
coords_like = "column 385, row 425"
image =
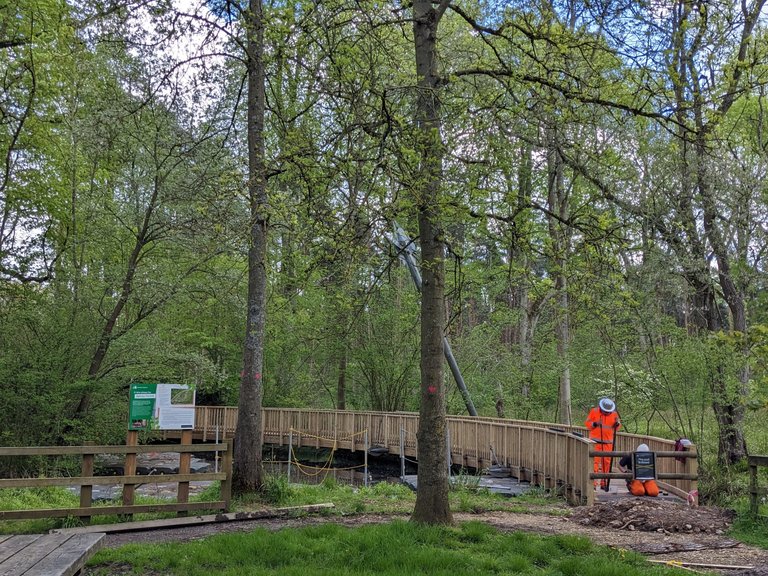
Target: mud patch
column 650, row 515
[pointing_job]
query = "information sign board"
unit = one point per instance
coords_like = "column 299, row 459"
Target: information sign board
column 644, row 465
column 161, row 407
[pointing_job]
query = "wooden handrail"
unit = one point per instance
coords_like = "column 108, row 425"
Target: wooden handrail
column 76, row 450
column 551, row 455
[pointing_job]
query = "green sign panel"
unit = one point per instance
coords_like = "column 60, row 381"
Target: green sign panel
column 161, row 407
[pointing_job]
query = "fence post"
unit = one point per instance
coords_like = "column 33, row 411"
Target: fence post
column 588, row 489
column 129, row 469
column 226, row 484
column 86, row 490
column 754, row 507
column 182, row 491
column 692, row 467
column 216, row 454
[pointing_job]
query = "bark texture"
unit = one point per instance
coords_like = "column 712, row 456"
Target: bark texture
column 247, row 473
column 432, row 505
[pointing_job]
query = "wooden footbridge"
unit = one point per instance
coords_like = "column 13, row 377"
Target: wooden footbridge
column 553, row 456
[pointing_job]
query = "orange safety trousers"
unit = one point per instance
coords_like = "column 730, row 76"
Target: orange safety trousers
column 602, row 463
column 643, row 488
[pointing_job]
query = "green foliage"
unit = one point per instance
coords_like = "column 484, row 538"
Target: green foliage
column 277, row 490
column 127, row 195
column 464, row 481
column 750, row 529
column 34, row 498
column 210, row 493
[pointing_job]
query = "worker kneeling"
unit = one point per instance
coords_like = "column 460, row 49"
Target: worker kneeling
column 643, row 483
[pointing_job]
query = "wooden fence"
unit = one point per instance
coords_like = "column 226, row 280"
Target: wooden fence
column 756, row 493
column 129, row 480
column 550, row 455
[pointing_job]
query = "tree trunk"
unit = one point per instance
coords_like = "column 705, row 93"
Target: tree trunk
column 557, row 200
column 689, row 23
column 432, row 505
column 247, row 474
column 341, row 383
column 107, row 331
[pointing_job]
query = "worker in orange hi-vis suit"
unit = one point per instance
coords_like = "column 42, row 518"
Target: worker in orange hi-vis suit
column 602, row 423
column 638, row 487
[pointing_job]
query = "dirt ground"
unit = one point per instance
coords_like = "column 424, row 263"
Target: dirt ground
column 659, row 529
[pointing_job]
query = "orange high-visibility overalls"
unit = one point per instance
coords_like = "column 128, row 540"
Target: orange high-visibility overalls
column 601, row 428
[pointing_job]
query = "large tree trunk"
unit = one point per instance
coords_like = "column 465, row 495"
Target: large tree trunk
column 557, row 200
column 432, row 505
column 247, row 474
column 518, row 259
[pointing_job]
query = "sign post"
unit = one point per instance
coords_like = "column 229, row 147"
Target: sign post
column 160, row 407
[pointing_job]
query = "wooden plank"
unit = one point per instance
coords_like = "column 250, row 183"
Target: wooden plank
column 78, row 450
column 134, row 479
column 70, row 556
column 102, row 510
column 11, row 545
column 196, row 520
column 678, row 563
column 758, row 460
column 31, row 554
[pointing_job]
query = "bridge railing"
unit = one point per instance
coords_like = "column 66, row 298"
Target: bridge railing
column 550, row 455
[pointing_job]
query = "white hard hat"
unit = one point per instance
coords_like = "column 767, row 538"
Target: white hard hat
column 643, row 448
column 607, row 405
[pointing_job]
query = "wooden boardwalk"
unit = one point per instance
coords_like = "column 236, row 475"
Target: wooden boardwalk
column 551, row 456
column 47, row 554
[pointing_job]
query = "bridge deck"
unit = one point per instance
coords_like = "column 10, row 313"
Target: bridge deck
column 47, row 554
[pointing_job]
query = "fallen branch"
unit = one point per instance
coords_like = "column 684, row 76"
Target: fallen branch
column 672, row 547
column 627, row 523
column 679, row 563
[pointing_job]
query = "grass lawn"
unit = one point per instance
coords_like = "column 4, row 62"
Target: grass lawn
column 400, row 548
column 396, row 549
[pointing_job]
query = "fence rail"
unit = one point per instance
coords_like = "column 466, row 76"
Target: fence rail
column 86, row 481
column 550, row 455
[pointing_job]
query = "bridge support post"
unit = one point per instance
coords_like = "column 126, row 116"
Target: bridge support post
column 402, row 453
column 290, row 455
column 365, row 459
